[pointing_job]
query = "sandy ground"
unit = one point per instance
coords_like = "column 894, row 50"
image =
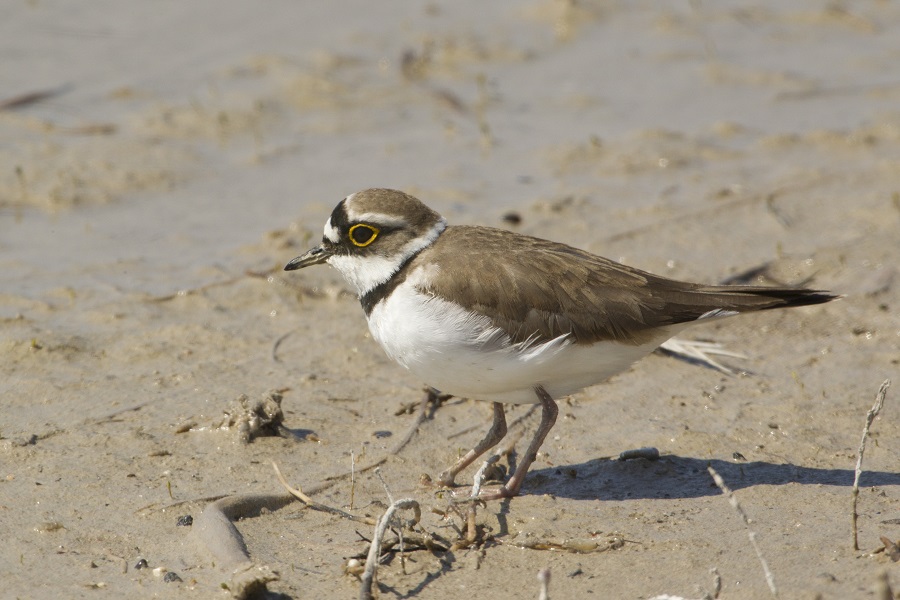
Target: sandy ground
column 183, row 152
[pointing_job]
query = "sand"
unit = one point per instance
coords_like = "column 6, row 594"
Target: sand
column 177, row 155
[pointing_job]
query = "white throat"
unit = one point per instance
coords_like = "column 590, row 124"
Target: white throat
column 365, row 273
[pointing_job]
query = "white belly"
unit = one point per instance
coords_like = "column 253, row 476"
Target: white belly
column 460, row 353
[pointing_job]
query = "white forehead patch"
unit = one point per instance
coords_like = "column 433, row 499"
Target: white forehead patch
column 331, row 232
column 374, row 217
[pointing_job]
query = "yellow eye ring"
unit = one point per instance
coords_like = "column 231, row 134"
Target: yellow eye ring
column 362, row 235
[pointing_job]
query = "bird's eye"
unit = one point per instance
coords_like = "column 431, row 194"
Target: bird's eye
column 362, row 235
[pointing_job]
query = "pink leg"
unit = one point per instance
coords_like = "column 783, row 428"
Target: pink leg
column 493, row 437
column 548, row 418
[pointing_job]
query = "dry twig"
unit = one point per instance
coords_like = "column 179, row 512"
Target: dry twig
column 298, row 493
column 431, row 397
column 32, row 97
column 365, row 591
column 544, row 577
column 770, row 579
column 384, row 484
column 479, row 475
column 870, row 416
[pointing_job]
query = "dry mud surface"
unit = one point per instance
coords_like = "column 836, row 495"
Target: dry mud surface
column 179, row 155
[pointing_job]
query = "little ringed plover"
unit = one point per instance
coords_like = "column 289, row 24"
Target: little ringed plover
column 489, row 314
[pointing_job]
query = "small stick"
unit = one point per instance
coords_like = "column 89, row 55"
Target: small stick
column 432, row 396
column 544, row 578
column 464, row 431
column 479, row 475
column 413, row 428
column 390, row 496
column 330, row 480
column 717, row 583
column 510, row 445
column 32, row 97
column 512, row 424
column 515, row 422
column 770, row 579
column 197, row 290
column 471, row 526
column 870, row 416
column 215, row 525
column 277, row 344
column 298, row 494
column 365, row 591
column 384, row 484
column 352, row 477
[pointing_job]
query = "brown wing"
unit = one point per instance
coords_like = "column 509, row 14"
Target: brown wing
column 538, row 289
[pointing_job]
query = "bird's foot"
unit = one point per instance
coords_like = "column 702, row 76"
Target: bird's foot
column 501, row 493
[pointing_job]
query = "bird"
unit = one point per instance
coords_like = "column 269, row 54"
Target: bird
column 490, row 314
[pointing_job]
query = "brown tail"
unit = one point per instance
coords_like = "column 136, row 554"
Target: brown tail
column 702, row 302
column 744, row 298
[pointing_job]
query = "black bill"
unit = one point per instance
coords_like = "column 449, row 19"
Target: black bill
column 314, row 256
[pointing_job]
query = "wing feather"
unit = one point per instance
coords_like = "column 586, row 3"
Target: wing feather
column 537, row 289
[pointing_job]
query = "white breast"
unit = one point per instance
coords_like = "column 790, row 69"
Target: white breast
column 461, row 353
